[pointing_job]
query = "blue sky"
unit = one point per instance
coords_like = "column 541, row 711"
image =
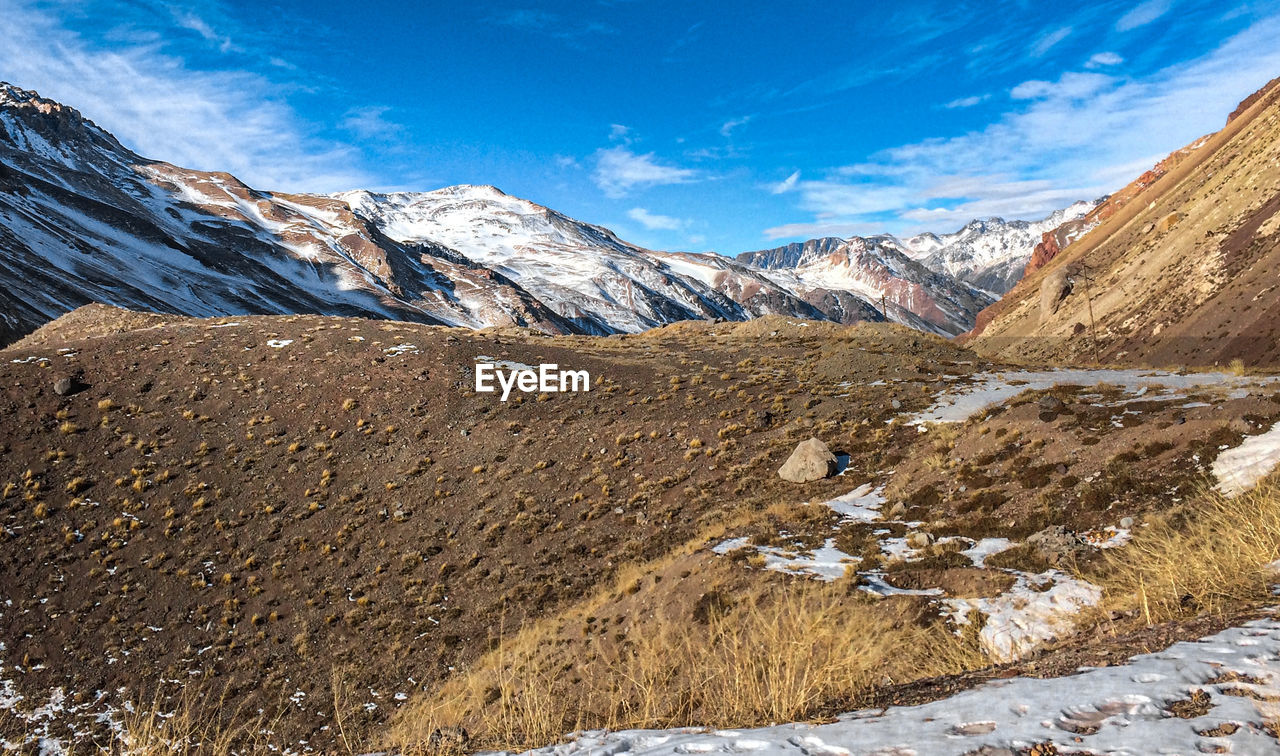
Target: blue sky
column 680, row 125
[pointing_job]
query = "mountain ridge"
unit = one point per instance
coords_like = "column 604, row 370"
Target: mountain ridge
column 1177, row 269
column 84, row 219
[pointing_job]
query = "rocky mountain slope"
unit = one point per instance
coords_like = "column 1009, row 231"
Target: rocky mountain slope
column 83, row 219
column 595, row 281
column 1180, row 268
column 934, row 278
column 848, row 278
column 991, row 254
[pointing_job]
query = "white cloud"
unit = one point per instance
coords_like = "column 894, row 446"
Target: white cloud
column 727, row 129
column 1069, row 86
column 192, row 22
column 654, row 222
column 619, row 133
column 966, row 102
column 1143, row 14
column 1049, row 41
column 368, row 122
column 619, row 170
column 163, row 109
column 1102, row 59
column 787, row 184
column 1079, row 136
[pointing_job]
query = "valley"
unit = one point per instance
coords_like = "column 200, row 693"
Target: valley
column 428, row 473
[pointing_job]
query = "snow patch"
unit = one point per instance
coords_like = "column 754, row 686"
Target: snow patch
column 1239, row 469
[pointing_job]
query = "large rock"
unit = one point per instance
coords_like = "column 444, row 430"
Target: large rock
column 811, row 460
column 1057, row 545
column 1053, row 289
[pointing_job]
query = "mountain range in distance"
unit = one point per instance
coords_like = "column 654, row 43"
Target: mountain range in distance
column 84, row 219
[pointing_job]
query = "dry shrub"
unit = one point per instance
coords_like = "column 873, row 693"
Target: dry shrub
column 1210, row 559
column 782, row 654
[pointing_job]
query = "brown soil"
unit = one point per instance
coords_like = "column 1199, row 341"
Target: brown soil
column 258, row 520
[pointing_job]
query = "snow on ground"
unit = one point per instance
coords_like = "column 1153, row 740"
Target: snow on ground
column 1036, row 609
column 990, row 389
column 825, row 563
column 986, row 547
column 1239, row 469
column 862, row 504
column 1120, row 710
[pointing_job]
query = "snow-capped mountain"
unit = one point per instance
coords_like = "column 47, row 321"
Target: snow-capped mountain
column 584, row 273
column 991, row 254
column 877, row 271
column 84, row 219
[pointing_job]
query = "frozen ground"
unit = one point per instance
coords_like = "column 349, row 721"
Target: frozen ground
column 990, row 389
column 1123, row 710
column 1239, row 469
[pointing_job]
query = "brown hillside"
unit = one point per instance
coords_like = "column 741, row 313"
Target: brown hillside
column 1184, row 275
column 252, row 505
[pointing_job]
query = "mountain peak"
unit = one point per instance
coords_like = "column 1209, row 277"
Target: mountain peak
column 471, row 190
column 38, row 124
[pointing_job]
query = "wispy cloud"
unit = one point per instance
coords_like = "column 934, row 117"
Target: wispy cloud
column 726, row 130
column 570, row 29
column 1050, row 40
column 1103, row 59
column 370, row 122
column 787, row 184
column 966, row 102
column 192, row 22
column 619, row 133
column 653, row 221
column 619, row 171
column 1075, row 137
column 690, row 36
column 163, row 108
column 1143, row 14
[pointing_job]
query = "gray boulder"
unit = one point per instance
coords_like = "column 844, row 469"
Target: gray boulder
column 1053, row 289
column 811, row 460
column 1056, row 544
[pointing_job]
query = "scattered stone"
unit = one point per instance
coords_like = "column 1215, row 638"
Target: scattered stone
column 897, row 511
column 64, row 386
column 1053, row 289
column 1126, row 522
column 810, row 461
column 1168, row 222
column 1050, row 403
column 1061, row 469
column 919, row 539
column 895, row 404
column 1057, row 544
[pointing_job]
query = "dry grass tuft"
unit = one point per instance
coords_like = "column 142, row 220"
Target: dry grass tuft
column 1208, row 559
column 784, row 654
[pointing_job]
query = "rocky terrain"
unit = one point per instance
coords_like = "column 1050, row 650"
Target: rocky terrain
column 1179, row 268
column 192, row 500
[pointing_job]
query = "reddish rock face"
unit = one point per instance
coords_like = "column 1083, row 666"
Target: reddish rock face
column 1248, row 102
column 1053, row 242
